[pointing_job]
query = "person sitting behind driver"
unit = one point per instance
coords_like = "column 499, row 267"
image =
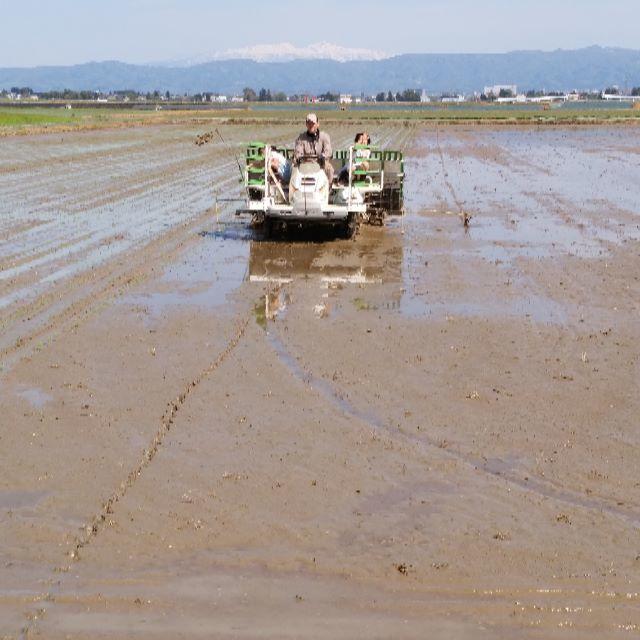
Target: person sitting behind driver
column 364, row 154
column 280, row 166
column 314, row 142
column 360, row 158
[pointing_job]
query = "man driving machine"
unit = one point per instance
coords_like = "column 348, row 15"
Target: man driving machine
column 314, row 142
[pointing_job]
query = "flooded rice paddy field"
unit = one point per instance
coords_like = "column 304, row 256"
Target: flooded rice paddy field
column 206, row 434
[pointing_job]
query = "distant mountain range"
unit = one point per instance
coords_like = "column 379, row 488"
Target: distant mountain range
column 583, row 69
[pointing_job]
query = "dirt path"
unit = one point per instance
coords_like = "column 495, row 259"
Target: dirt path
column 437, row 430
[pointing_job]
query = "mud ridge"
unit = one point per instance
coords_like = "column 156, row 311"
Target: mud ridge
column 75, row 311
column 166, row 422
column 97, row 523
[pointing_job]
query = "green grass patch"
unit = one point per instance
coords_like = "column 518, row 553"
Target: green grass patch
column 260, row 313
column 36, row 117
column 362, row 305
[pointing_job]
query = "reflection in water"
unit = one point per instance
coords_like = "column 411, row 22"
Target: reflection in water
column 205, row 277
column 36, row 397
column 374, row 257
column 15, row 500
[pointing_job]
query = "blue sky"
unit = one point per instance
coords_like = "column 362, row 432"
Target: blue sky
column 39, row 32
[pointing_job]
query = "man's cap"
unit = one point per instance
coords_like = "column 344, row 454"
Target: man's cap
column 312, row 117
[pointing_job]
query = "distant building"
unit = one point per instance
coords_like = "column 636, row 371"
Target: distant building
column 496, row 89
column 237, row 99
column 520, row 98
column 219, row 99
column 424, row 97
column 548, row 98
column 345, row 98
column 452, row 99
column 616, row 97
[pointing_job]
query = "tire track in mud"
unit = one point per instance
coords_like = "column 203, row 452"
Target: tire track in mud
column 130, row 183
column 113, row 283
column 46, row 252
column 92, row 529
column 123, row 207
column 409, row 136
column 121, row 154
column 104, row 166
column 493, row 469
column 13, row 265
column 110, row 167
column 447, row 182
column 94, row 193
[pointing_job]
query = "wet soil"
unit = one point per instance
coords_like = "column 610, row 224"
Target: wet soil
column 433, row 426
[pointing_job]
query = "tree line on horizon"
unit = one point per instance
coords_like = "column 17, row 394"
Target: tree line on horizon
column 248, row 94
column 266, row 95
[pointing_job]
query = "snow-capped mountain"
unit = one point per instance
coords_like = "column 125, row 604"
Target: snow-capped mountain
column 286, row 52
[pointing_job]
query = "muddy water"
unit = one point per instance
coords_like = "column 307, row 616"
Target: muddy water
column 209, row 434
